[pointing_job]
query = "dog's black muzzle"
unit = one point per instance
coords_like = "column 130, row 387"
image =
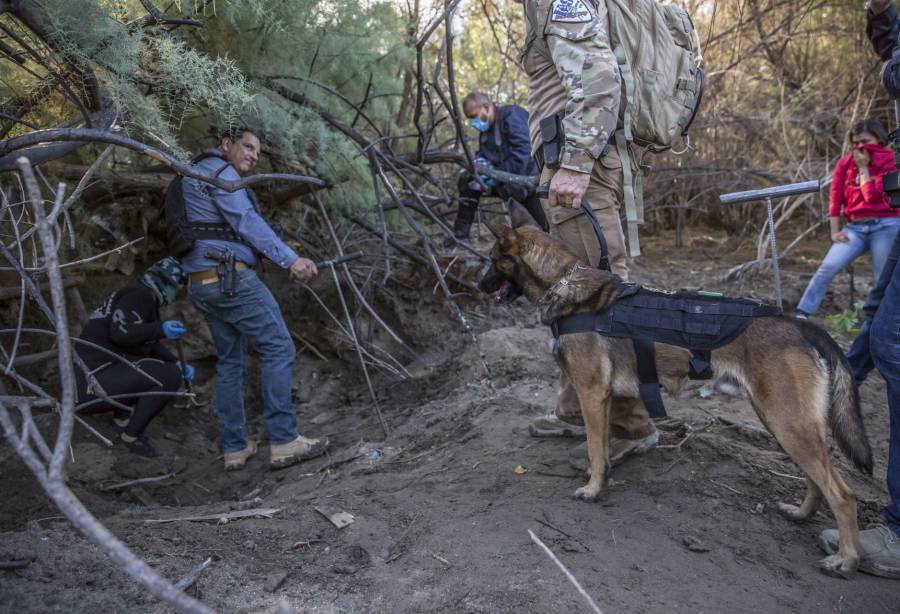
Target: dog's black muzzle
column 496, row 283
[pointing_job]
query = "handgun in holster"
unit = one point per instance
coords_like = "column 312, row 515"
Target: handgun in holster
column 225, row 269
column 552, row 138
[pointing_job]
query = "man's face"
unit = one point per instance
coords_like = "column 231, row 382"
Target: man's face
column 242, row 153
column 484, row 112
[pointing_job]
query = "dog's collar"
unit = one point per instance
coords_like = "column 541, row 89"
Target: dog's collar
column 560, row 290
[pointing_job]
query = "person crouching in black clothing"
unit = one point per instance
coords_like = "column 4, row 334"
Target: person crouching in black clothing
column 127, row 323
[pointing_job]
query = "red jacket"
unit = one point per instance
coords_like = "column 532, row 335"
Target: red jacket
column 857, row 201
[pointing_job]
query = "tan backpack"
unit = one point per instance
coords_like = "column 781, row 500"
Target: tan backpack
column 658, row 51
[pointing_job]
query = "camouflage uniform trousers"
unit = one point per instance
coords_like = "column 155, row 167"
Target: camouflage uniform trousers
column 628, row 417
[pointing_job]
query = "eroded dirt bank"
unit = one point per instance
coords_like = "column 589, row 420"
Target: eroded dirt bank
column 441, row 515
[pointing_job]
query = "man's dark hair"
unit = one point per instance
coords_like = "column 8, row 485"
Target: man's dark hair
column 476, row 98
column 234, row 134
column 873, row 127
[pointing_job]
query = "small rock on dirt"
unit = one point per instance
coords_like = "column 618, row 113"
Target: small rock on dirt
column 323, row 418
column 275, row 580
column 694, row 544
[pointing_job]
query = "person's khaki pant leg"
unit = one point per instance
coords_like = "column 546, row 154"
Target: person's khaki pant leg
column 628, row 417
column 572, row 227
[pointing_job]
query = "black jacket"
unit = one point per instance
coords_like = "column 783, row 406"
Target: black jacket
column 126, row 323
column 507, row 145
column 882, row 30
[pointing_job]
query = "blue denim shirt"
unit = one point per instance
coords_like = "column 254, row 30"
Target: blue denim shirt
column 235, row 208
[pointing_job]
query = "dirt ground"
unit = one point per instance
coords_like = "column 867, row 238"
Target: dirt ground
column 440, row 510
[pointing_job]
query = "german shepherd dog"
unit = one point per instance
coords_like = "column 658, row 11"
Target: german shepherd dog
column 797, row 378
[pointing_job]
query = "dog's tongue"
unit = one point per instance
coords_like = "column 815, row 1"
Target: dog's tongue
column 503, row 292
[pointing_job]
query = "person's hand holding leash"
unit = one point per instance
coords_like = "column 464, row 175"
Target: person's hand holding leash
column 567, row 188
column 304, row 269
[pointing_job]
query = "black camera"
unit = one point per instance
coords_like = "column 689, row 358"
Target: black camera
column 891, row 183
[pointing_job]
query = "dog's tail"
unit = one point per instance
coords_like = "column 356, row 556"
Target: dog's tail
column 845, row 414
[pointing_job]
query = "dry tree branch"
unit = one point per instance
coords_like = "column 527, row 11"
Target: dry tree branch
column 85, row 135
column 50, row 472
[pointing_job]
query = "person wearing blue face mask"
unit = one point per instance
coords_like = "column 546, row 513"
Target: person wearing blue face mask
column 505, row 143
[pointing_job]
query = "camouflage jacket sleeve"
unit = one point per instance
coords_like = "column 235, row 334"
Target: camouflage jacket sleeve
column 577, row 36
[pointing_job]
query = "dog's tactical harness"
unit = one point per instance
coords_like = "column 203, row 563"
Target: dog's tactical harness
column 697, row 321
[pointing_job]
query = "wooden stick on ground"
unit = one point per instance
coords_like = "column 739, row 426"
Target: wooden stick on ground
column 119, row 485
column 191, row 576
column 262, row 512
column 564, row 569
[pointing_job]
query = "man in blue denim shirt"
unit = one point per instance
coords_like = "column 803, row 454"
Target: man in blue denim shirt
column 251, row 314
column 879, row 547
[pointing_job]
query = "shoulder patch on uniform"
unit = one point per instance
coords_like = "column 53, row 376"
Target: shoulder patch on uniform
column 570, row 11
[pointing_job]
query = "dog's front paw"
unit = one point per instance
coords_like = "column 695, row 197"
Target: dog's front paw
column 836, row 566
column 587, row 493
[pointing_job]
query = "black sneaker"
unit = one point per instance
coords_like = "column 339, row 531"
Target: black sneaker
column 141, row 447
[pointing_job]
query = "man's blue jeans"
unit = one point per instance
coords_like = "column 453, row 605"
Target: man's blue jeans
column 885, row 347
column 253, row 316
column 876, row 237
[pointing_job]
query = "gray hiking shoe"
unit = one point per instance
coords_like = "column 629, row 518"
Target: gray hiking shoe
column 619, row 450
column 302, row 448
column 551, row 426
column 237, row 460
column 879, row 550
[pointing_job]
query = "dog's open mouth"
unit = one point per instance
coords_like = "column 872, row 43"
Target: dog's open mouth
column 502, row 295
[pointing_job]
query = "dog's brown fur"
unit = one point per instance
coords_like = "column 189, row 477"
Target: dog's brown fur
column 796, row 376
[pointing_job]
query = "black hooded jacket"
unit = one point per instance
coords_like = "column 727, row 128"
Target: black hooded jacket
column 126, row 323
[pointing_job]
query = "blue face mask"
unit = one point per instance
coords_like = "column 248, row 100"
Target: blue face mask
column 479, row 124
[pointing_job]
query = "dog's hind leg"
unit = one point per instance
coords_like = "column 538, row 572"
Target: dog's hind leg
column 791, row 397
column 805, row 510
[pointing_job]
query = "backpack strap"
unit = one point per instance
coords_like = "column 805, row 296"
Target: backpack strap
column 628, row 83
column 222, row 231
column 632, row 186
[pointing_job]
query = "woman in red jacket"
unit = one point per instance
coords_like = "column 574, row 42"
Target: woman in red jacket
column 858, row 194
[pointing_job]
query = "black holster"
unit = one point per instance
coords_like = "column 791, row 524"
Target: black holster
column 553, row 137
column 225, row 269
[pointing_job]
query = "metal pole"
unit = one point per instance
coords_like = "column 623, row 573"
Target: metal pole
column 775, row 268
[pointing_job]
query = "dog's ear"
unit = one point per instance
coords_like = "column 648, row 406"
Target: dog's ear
column 519, row 215
column 498, row 230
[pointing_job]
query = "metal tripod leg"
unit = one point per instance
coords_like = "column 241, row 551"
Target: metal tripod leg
column 774, row 247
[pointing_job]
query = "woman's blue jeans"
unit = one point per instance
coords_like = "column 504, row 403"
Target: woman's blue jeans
column 253, row 316
column 877, row 237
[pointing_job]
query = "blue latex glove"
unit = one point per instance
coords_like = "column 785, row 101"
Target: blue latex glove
column 173, row 329
column 488, row 181
column 187, row 371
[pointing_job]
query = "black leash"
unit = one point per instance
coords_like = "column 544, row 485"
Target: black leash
column 543, row 192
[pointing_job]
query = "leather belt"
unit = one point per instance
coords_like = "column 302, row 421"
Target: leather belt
column 208, row 276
